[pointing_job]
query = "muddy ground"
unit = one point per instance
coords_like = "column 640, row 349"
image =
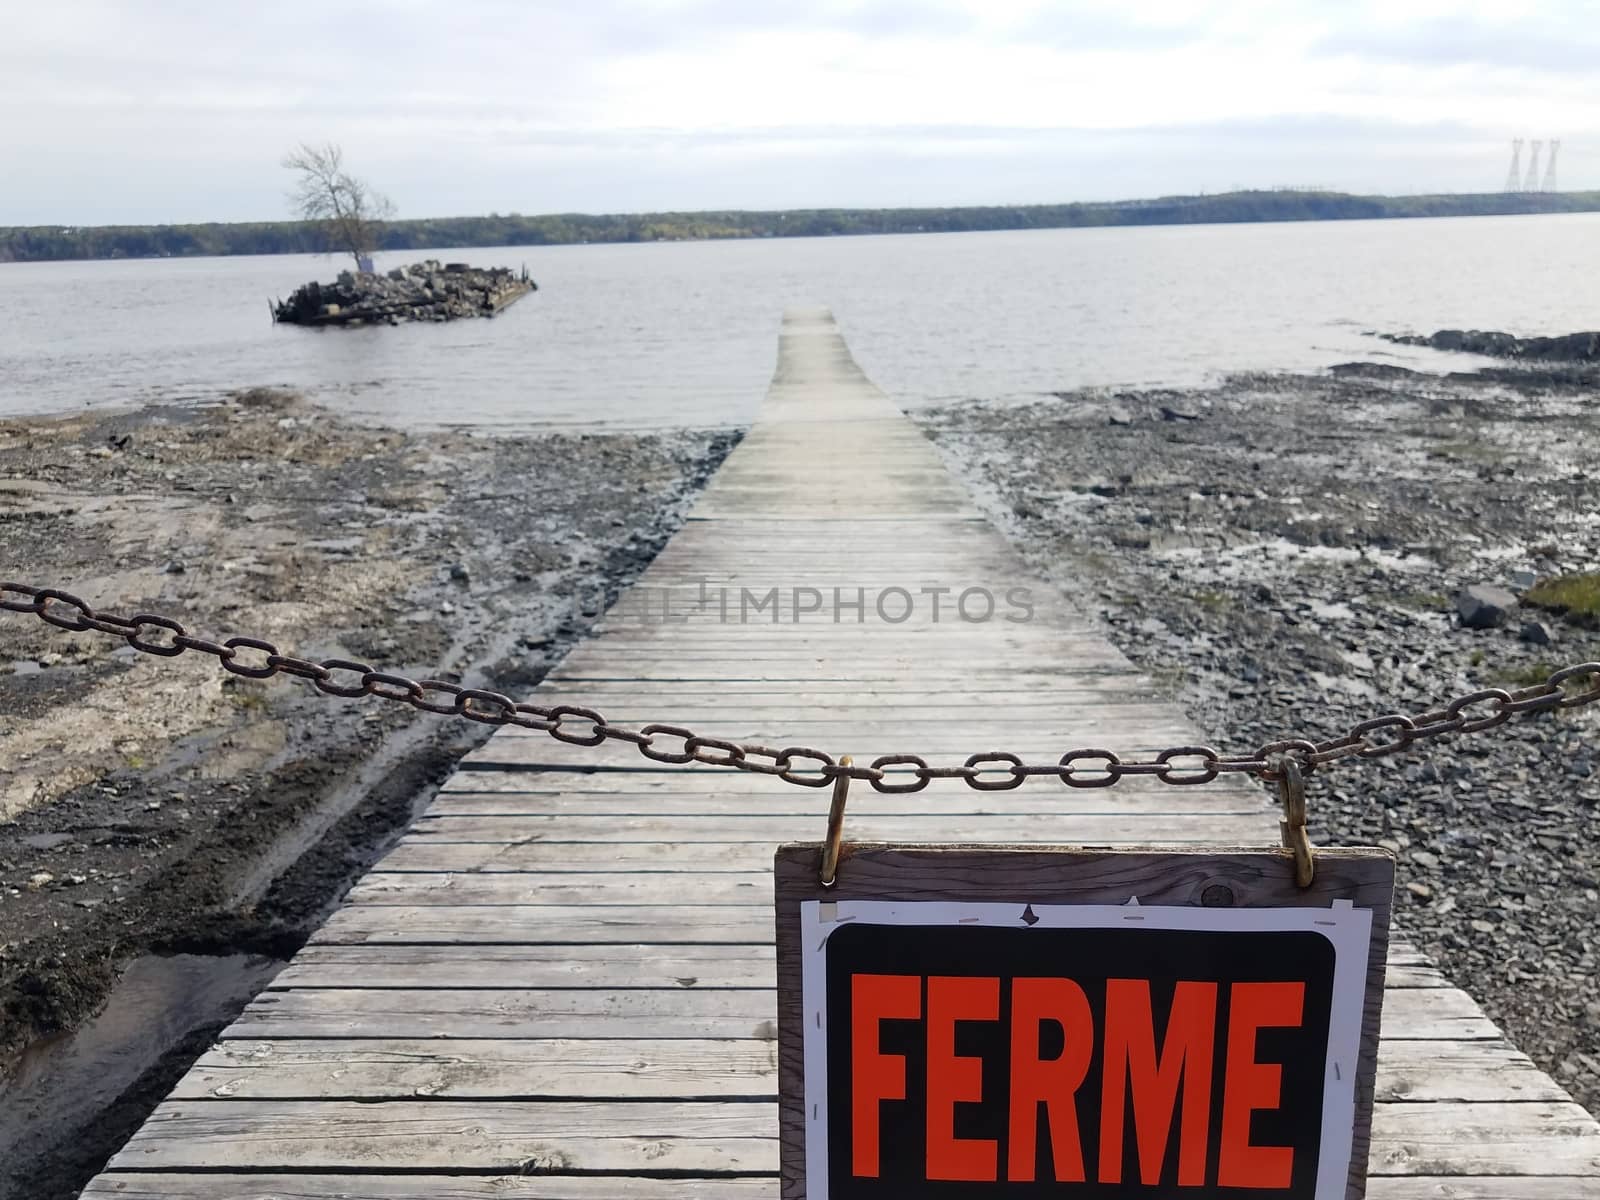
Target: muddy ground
column 154, row 805
column 1283, row 555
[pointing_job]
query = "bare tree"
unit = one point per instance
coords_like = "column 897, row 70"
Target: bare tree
column 350, row 212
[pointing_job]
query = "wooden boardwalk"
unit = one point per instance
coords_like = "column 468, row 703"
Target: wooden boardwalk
column 559, row 985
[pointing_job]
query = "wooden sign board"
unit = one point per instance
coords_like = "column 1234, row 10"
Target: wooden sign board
column 962, row 1022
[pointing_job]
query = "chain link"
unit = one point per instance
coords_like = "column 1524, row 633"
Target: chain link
column 254, row 658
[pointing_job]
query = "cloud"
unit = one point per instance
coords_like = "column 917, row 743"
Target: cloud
column 182, row 110
column 1520, row 44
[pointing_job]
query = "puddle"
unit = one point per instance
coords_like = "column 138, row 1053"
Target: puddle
column 60, row 1086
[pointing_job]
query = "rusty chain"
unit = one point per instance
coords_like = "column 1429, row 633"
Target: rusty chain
column 254, row 658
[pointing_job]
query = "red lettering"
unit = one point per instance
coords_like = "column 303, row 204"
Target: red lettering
column 875, row 1076
column 1253, row 1085
column 954, row 1078
column 1166, row 1080
column 1131, row 1064
column 1053, row 1082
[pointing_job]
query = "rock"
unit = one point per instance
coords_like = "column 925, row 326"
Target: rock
column 1130, row 539
column 1484, row 606
column 1536, row 633
column 1570, row 347
column 1369, row 370
column 1179, row 412
column 41, row 879
column 459, row 573
column 1521, row 581
column 422, row 291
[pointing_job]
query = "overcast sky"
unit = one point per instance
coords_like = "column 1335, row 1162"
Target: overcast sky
column 180, row 110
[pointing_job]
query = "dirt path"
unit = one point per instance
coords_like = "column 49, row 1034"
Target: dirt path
column 155, row 805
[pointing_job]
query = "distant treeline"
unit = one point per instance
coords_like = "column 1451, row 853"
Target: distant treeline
column 46, row 242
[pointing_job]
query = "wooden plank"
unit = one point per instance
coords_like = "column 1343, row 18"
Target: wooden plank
column 531, row 749
column 508, row 1013
column 467, row 1068
column 1455, row 1187
column 1442, row 1015
column 772, row 829
column 1506, row 1139
column 317, row 1009
column 885, row 696
column 644, row 1137
column 257, row 1186
column 696, row 858
column 547, row 924
column 1405, row 954
column 548, row 776
column 445, row 887
column 501, row 1068
column 1411, row 975
column 813, row 803
column 1415, row 1071
column 1533, row 1138
column 756, row 663
column 452, row 967
column 885, row 642
column 1435, row 1014
column 614, row 965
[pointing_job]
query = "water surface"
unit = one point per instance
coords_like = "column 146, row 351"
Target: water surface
column 683, row 333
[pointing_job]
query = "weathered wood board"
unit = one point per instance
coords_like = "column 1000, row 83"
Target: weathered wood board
column 1138, row 885
column 567, row 966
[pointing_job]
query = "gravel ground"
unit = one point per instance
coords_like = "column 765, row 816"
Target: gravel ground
column 1284, row 555
column 156, row 805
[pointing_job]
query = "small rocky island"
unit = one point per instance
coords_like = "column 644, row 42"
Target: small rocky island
column 425, row 291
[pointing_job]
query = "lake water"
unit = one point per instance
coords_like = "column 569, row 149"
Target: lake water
column 681, row 333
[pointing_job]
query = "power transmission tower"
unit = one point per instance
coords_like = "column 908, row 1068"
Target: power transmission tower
column 1531, row 184
column 1550, row 166
column 1514, row 176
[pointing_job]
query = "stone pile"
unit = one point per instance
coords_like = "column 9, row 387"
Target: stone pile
column 425, row 291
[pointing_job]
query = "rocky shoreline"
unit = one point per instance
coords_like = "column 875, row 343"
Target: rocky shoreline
column 1287, row 556
column 159, row 805
column 425, row 291
column 1568, row 347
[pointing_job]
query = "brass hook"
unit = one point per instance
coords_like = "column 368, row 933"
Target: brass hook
column 830, row 845
column 1292, row 791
